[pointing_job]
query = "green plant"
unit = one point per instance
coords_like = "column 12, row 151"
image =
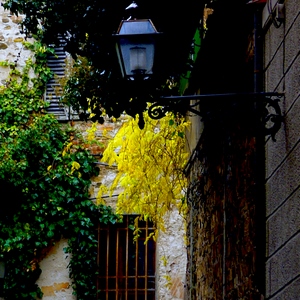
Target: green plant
column 86, row 28
column 47, row 175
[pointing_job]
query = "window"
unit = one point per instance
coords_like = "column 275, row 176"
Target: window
column 126, row 268
column 57, row 64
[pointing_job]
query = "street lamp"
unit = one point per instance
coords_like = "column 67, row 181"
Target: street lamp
column 136, row 48
column 135, row 45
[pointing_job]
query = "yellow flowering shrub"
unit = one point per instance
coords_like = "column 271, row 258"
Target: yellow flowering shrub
column 150, row 164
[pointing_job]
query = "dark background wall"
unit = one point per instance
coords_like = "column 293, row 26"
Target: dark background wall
column 223, row 225
column 226, row 173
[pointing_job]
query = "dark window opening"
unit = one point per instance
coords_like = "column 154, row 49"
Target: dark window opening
column 126, row 268
column 1, row 286
column 2, row 275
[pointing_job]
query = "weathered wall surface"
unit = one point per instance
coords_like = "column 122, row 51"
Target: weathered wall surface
column 225, row 194
column 222, row 227
column 171, row 271
column 170, row 279
column 11, row 47
column 282, row 74
column 54, row 280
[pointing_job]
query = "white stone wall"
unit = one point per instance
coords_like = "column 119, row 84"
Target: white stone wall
column 54, row 280
column 170, row 277
column 170, row 281
column 11, row 42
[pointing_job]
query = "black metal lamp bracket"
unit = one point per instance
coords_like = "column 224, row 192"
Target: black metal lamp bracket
column 267, row 101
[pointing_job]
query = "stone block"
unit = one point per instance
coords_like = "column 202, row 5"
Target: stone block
column 3, row 46
column 284, row 181
column 272, row 43
column 292, row 82
column 292, row 7
column 292, row 41
column 283, row 267
column 291, row 291
column 274, row 72
column 284, row 223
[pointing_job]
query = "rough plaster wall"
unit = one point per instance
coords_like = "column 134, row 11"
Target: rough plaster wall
column 54, row 280
column 282, row 63
column 170, row 244
column 11, row 47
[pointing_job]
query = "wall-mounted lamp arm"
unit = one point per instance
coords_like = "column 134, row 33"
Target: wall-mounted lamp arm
column 271, row 116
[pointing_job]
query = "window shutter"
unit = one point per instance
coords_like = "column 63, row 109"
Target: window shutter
column 57, row 64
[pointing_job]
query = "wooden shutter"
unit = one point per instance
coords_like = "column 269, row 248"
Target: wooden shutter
column 57, row 64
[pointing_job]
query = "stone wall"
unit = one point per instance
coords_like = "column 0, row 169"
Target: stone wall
column 223, row 217
column 226, row 170
column 171, row 271
column 54, row 280
column 11, row 42
column 282, row 74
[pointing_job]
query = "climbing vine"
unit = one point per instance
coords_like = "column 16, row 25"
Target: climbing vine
column 45, row 175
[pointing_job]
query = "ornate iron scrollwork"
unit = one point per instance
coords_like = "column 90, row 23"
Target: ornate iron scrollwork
column 268, row 107
column 156, row 111
column 272, row 116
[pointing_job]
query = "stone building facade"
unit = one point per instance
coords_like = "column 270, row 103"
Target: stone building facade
column 282, row 74
column 54, row 280
column 244, row 188
column 225, row 171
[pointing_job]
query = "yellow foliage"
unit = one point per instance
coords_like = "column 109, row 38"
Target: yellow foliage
column 164, row 261
column 75, row 166
column 169, row 280
column 67, row 148
column 102, row 190
column 150, row 164
column 91, row 132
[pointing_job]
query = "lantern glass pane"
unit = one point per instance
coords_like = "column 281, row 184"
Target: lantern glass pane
column 135, row 47
column 137, row 58
column 138, row 62
column 137, row 27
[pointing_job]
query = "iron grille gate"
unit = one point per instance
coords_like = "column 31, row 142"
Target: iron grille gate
column 126, row 268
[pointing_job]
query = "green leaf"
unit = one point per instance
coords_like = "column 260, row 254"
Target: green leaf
column 171, row 122
column 50, row 234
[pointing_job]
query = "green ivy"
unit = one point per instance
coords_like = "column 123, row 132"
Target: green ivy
column 46, row 177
